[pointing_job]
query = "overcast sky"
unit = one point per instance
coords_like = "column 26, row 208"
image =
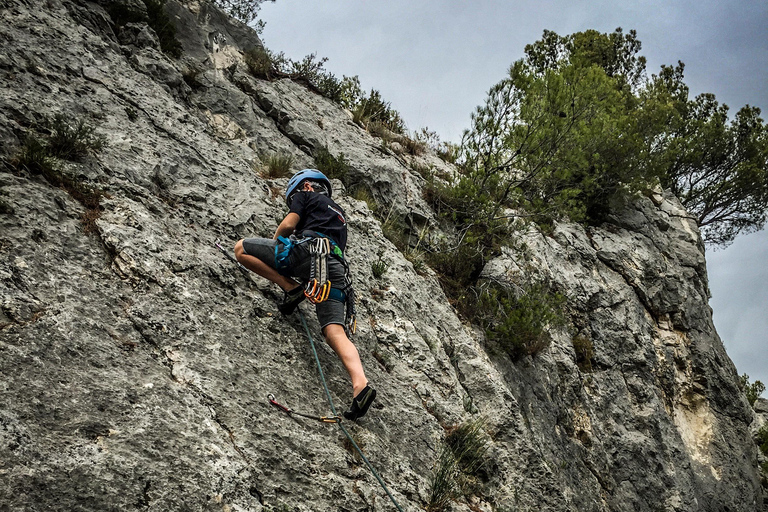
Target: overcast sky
column 435, row 61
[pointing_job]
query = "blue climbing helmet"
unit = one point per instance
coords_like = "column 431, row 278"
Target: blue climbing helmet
column 294, row 184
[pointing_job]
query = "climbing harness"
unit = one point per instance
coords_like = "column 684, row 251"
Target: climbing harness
column 318, row 287
column 334, row 418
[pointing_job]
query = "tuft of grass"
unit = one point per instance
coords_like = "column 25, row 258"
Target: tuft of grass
column 361, row 193
column 443, row 486
column 582, row 345
column 416, row 257
column 395, row 231
column 277, row 165
column 412, row 147
column 469, row 443
column 469, row 404
column 380, row 266
column 425, row 171
column 461, row 457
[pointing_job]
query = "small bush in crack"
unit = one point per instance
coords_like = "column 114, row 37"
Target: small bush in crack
column 335, row 167
column 443, row 485
column 469, row 443
column 260, row 62
column 762, row 442
column 34, row 157
column 582, row 345
column 517, row 322
column 73, row 139
column 68, row 140
column 361, row 193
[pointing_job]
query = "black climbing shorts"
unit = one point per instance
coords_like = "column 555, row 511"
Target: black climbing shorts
column 329, row 311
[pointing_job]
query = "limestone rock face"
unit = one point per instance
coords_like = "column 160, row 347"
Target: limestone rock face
column 135, row 360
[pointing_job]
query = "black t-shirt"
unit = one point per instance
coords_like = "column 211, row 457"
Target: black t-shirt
column 320, row 214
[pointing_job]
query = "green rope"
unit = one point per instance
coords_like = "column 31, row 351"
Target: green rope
column 333, row 410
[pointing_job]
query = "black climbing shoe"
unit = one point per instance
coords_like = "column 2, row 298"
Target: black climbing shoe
column 361, row 403
column 291, row 300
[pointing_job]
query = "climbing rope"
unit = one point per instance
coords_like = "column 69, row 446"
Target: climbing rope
column 326, row 419
column 339, row 423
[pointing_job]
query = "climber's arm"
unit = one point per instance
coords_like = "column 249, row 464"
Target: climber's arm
column 288, row 225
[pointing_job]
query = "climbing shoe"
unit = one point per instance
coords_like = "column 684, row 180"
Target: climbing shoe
column 361, row 403
column 291, row 300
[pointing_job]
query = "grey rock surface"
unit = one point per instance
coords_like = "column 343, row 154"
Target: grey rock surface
column 135, row 360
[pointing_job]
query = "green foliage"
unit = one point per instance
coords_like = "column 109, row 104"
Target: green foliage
column 73, row 139
column 469, row 443
column 243, row 10
column 557, row 141
column 277, row 165
column 762, row 443
column 753, row 390
column 361, row 193
column 68, row 140
column 577, row 126
column 368, row 110
column 395, row 231
column 462, row 455
column 443, row 486
column 380, row 266
column 373, row 109
column 517, row 321
column 260, row 62
column 34, row 157
column 345, row 91
column 335, row 167
column 718, row 168
column 446, row 151
column 762, row 439
column 582, row 345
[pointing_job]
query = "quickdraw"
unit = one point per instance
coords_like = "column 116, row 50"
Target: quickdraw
column 291, row 412
column 318, row 288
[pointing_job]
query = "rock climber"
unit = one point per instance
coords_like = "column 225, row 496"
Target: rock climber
column 296, row 252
